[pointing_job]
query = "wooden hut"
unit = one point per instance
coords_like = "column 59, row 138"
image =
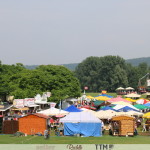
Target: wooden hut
column 123, row 125
column 33, row 124
column 10, row 126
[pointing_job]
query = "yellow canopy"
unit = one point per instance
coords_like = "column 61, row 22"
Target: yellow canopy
column 102, row 98
column 130, row 99
column 147, row 115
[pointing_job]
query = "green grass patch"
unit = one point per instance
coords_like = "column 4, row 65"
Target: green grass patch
column 7, row 139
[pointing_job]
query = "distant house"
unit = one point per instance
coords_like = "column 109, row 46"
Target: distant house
column 33, row 124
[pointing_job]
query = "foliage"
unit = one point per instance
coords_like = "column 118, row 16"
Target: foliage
column 109, row 73
column 99, row 73
column 21, row 82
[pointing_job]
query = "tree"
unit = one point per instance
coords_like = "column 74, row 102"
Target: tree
column 100, row 73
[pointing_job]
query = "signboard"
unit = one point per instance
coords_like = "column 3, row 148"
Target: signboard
column 29, row 101
column 104, row 92
column 148, row 82
column 18, row 103
column 85, row 88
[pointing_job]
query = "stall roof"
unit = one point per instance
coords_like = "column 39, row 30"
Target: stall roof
column 6, row 107
column 80, row 117
column 122, row 118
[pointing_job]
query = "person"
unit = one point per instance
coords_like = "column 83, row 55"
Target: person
column 103, row 128
column 46, row 134
column 144, row 127
column 110, row 129
column 61, row 128
column 135, row 129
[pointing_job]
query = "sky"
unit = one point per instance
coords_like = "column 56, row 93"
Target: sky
column 36, row 32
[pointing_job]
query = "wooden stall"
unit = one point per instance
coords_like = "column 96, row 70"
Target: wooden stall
column 123, row 125
column 33, row 124
column 10, row 126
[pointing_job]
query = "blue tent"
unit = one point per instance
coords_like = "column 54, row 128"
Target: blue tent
column 83, row 123
column 105, row 95
column 126, row 109
column 72, row 108
column 107, row 108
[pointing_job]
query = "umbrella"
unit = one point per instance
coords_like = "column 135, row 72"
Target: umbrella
column 129, row 88
column 120, row 88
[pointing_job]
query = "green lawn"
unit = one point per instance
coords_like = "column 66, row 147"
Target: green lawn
column 106, row 139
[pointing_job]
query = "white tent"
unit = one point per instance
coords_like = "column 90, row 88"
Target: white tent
column 107, row 114
column 88, row 110
column 75, row 117
column 53, row 111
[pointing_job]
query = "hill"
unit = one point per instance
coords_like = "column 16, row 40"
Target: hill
column 137, row 61
column 72, row 66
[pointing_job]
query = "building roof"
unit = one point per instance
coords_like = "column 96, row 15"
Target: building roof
column 38, row 115
column 5, row 107
column 122, row 118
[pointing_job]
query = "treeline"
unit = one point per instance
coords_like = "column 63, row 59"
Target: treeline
column 20, row 82
column 109, row 73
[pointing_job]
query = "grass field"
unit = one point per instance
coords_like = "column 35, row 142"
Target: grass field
column 106, row 139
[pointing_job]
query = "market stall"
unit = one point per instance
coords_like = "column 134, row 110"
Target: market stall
column 123, row 125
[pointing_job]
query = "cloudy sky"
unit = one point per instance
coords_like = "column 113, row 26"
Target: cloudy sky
column 35, row 32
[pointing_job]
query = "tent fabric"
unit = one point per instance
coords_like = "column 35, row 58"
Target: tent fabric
column 107, row 114
column 80, row 117
column 104, row 95
column 141, row 101
column 126, row 109
column 117, row 107
column 117, row 99
column 85, row 129
column 53, row 111
column 147, row 104
column 102, row 98
column 97, row 103
column 107, row 108
column 72, row 108
column 139, row 106
column 121, row 103
column 146, row 115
